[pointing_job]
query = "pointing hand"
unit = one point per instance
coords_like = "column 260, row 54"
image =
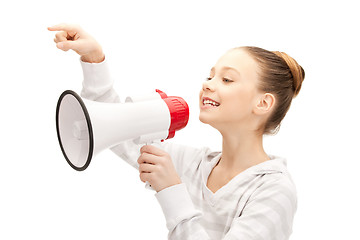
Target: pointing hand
column 73, row 37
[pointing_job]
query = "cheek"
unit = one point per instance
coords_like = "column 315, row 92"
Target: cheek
column 239, row 103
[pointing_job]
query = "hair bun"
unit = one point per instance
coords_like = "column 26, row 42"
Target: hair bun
column 297, row 71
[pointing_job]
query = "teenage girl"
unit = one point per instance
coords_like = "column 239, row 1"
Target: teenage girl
column 239, row 193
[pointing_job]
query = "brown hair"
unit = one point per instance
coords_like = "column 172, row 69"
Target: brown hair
column 280, row 75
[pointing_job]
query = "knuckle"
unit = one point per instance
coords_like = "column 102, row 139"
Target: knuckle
column 59, row 34
column 141, row 157
column 141, row 168
column 150, row 177
column 145, row 148
column 142, row 177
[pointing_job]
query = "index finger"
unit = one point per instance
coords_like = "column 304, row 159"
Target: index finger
column 152, row 150
column 65, row 27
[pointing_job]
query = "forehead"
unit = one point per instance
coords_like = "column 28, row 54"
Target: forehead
column 240, row 60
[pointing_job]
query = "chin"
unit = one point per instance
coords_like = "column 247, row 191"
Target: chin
column 202, row 119
column 205, row 119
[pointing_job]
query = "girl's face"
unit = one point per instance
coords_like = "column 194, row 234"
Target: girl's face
column 229, row 95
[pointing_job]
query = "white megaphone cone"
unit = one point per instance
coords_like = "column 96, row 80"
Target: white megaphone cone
column 84, row 127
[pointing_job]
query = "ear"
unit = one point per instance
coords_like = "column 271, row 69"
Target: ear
column 265, row 104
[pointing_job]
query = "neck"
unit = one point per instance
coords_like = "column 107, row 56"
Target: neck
column 241, row 151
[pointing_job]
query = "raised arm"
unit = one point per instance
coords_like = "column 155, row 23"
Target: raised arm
column 97, row 84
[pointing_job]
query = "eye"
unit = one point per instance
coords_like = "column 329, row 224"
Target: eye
column 227, row 80
column 208, row 78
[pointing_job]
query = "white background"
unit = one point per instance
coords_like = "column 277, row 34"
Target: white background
column 171, row 45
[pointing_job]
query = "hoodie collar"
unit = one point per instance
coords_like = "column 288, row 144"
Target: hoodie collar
column 274, row 165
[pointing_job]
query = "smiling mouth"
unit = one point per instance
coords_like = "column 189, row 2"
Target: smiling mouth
column 209, row 102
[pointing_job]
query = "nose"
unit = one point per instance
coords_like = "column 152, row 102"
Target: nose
column 209, row 85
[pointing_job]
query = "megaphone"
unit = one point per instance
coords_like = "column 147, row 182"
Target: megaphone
column 85, row 128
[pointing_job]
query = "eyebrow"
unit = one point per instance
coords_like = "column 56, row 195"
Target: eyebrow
column 225, row 68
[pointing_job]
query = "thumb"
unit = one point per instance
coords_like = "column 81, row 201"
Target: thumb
column 67, row 45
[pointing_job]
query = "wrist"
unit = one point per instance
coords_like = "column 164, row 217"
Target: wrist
column 168, row 185
column 94, row 57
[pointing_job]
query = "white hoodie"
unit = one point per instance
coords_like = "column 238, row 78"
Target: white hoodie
column 258, row 203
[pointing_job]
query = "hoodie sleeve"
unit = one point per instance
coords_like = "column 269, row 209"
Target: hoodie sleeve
column 182, row 218
column 97, row 83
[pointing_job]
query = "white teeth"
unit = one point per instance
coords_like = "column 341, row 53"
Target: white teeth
column 210, row 103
